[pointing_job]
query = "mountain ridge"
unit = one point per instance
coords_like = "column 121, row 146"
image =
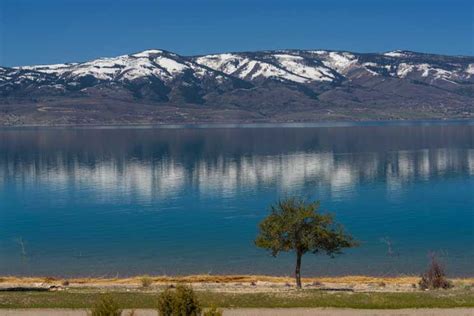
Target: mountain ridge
column 159, row 86
column 254, row 51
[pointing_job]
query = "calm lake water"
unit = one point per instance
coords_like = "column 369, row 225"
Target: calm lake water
column 125, row 201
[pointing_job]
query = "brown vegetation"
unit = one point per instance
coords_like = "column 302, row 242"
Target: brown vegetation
column 434, row 277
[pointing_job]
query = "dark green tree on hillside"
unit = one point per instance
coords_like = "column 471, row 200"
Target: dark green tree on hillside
column 297, row 225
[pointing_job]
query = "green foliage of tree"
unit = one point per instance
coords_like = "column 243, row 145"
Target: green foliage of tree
column 297, row 225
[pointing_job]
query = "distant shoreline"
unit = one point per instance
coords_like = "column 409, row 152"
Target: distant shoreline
column 264, row 124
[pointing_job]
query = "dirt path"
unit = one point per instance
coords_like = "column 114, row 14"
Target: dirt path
column 265, row 312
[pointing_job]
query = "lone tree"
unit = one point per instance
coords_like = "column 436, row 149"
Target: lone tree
column 297, row 225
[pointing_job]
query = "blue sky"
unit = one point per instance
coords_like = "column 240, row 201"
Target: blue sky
column 53, row 31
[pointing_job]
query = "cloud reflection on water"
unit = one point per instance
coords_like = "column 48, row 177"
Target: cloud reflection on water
column 224, row 176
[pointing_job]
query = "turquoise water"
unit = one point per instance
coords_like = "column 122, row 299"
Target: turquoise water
column 187, row 199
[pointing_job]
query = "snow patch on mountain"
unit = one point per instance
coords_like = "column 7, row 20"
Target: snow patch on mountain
column 199, row 71
column 102, row 69
column 126, row 67
column 340, row 61
column 171, row 66
column 285, row 66
column 139, row 68
column 247, row 68
column 148, row 53
column 226, row 63
column 426, row 71
column 405, row 69
column 297, row 66
column 470, row 69
column 319, row 52
column 395, row 53
column 258, row 69
column 49, row 69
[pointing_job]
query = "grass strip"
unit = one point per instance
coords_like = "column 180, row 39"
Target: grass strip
column 305, row 298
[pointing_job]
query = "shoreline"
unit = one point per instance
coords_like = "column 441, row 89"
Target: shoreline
column 226, row 283
column 248, row 124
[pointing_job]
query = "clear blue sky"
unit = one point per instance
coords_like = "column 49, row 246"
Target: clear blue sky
column 51, row 31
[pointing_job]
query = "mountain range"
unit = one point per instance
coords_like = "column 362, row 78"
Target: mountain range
column 158, row 86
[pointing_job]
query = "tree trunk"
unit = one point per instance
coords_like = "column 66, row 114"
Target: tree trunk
column 298, row 269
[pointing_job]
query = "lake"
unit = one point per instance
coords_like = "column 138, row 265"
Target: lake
column 188, row 199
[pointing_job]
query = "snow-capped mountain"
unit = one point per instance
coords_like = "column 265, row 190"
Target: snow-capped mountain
column 149, row 63
column 267, row 85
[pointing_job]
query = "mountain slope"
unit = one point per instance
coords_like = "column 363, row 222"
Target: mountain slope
column 157, row 86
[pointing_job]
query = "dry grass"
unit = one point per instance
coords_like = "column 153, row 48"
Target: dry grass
column 303, row 298
column 137, row 280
